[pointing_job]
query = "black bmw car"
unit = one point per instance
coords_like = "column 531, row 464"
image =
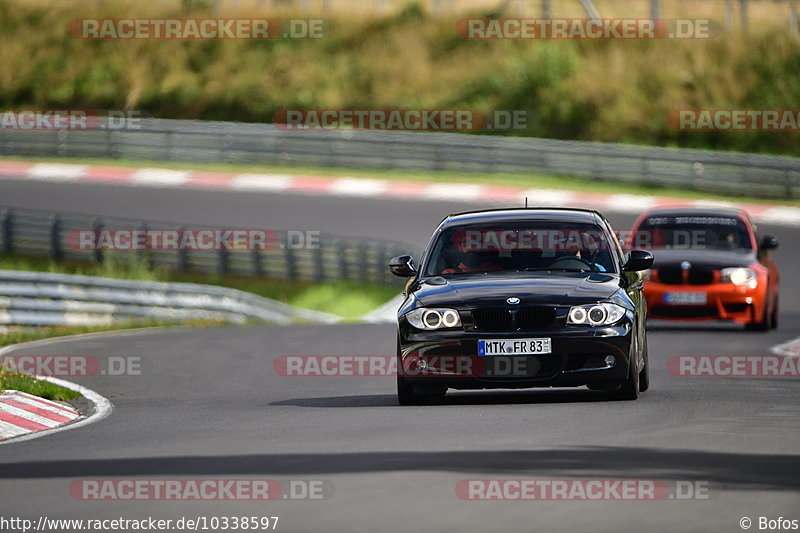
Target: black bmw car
column 520, row 298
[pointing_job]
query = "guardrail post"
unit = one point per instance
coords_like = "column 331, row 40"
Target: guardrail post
column 362, row 262
column 143, row 256
column 97, row 225
column 380, row 261
column 182, row 254
column 319, row 265
column 61, row 142
column 222, row 261
column 341, row 251
column 113, row 152
column 645, row 171
column 7, row 230
column 291, row 261
column 257, row 269
column 55, row 238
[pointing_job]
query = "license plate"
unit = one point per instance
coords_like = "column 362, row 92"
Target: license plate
column 514, row 346
column 685, row 298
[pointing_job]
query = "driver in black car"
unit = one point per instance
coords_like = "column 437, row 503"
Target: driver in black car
column 586, row 256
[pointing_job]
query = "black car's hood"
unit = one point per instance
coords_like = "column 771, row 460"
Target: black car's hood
column 714, row 259
column 532, row 288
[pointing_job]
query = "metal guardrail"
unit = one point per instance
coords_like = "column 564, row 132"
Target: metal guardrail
column 47, row 299
column 197, row 141
column 45, row 234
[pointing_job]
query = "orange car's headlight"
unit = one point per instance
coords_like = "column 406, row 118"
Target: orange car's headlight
column 739, row 276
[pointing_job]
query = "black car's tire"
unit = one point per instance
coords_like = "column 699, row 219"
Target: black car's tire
column 405, row 390
column 630, row 388
column 644, row 374
column 407, row 396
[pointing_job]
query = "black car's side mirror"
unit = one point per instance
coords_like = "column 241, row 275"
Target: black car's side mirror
column 638, row 260
column 769, row 242
column 403, row 266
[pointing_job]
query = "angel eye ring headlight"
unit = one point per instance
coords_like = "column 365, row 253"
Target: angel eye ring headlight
column 595, row 314
column 429, row 318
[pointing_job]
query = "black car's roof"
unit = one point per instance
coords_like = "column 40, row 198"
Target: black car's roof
column 729, row 212
column 557, row 214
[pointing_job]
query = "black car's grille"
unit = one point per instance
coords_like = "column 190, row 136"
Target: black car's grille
column 493, row 319
column 535, row 317
column 696, row 276
column 527, row 318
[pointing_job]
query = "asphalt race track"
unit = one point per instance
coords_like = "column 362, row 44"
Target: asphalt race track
column 209, row 405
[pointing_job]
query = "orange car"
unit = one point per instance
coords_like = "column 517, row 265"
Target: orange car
column 708, row 265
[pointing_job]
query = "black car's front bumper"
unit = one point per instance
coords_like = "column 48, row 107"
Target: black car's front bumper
column 578, row 357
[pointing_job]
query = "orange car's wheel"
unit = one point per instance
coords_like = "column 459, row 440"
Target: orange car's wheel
column 775, row 312
column 762, row 325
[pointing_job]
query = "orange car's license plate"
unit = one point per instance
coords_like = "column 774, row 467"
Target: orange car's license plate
column 685, row 298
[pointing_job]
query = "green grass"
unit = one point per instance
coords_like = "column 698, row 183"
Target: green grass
column 343, row 298
column 44, row 389
column 527, row 180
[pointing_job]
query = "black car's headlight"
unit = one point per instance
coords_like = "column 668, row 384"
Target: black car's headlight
column 595, row 314
column 433, row 318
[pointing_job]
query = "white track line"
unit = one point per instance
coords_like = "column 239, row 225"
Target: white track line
column 790, row 348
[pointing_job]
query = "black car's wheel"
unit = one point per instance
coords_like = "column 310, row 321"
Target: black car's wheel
column 630, row 389
column 644, row 374
column 406, row 395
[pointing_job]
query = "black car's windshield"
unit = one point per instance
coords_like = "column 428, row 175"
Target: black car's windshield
column 693, row 232
column 528, row 246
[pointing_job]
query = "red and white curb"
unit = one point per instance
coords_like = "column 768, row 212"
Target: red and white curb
column 22, row 413
column 25, row 417
column 371, row 188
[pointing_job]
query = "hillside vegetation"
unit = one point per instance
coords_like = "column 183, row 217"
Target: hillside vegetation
column 619, row 90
